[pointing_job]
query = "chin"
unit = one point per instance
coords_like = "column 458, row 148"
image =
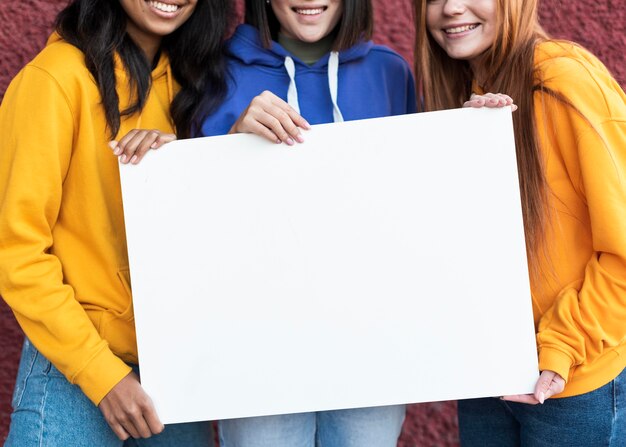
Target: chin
column 312, row 38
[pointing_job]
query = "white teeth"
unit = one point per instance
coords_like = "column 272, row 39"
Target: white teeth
column 165, row 7
column 309, row 12
column 460, row 29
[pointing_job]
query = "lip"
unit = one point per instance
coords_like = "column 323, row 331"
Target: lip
column 153, row 5
column 320, row 8
column 460, row 30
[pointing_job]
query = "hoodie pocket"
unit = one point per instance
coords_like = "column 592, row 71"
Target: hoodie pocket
column 124, row 276
column 117, row 327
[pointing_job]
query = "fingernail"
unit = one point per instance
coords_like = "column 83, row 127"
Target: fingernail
column 278, row 141
column 299, row 138
column 306, row 124
column 289, row 142
column 542, row 397
column 123, row 158
column 153, row 145
column 112, row 144
column 117, row 151
column 134, row 159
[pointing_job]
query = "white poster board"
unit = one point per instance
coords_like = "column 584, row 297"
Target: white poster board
column 380, row 262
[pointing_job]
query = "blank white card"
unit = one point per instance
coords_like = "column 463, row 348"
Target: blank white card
column 380, row 262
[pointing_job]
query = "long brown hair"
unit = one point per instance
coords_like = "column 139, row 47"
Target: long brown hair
column 447, row 83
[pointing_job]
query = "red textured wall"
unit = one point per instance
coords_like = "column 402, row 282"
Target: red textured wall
column 596, row 24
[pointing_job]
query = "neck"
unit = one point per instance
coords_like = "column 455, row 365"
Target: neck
column 147, row 43
column 151, row 53
column 307, row 52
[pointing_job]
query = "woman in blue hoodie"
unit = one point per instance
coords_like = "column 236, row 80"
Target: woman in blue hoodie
column 315, row 56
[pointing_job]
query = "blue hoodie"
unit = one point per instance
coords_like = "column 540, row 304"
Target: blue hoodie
column 364, row 81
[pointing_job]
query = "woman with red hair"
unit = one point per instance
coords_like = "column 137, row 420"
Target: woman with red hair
column 570, row 133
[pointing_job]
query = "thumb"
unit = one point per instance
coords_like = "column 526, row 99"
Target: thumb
column 549, row 384
column 543, row 385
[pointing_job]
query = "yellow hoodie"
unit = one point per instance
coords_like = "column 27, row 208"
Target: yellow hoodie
column 63, row 260
column 580, row 306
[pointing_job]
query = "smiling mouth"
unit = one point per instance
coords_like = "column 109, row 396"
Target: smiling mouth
column 165, row 7
column 309, row 11
column 460, row 29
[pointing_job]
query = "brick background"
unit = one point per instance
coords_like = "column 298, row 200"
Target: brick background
column 596, row 24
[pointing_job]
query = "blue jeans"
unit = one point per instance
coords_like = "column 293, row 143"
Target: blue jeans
column 360, row 427
column 48, row 411
column 597, row 418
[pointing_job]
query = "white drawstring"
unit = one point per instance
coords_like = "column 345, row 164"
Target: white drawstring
column 333, row 81
column 292, row 92
column 333, row 70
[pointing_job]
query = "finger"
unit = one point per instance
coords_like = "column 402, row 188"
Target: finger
column 543, row 385
column 140, row 424
column 509, row 102
column 492, row 99
column 285, row 129
column 556, row 387
column 503, row 99
column 119, row 431
column 272, row 123
column 113, row 145
column 163, row 139
column 490, row 95
column 476, row 102
column 248, row 122
column 131, row 146
column 124, row 141
column 152, row 419
column 262, row 131
column 144, row 146
column 128, row 425
column 297, row 119
column 495, row 102
column 521, row 398
column 506, row 98
column 152, row 141
column 265, row 117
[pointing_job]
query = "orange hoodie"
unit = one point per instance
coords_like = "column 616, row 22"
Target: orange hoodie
column 580, row 306
column 63, row 261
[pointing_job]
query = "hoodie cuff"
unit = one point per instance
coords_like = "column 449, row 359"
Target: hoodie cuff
column 101, row 374
column 551, row 359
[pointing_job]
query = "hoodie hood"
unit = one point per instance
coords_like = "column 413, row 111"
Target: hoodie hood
column 162, row 82
column 246, row 46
